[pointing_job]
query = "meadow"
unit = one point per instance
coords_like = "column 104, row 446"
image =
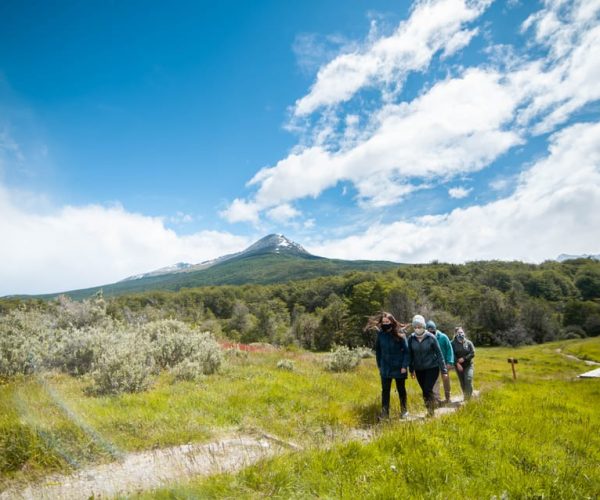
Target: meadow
column 537, row 437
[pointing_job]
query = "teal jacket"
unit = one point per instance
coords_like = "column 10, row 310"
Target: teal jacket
column 445, row 346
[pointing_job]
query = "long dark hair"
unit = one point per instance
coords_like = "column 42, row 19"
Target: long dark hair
column 375, row 322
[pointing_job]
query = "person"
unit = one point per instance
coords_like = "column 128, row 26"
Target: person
column 464, row 352
column 425, row 361
column 448, row 354
column 392, row 360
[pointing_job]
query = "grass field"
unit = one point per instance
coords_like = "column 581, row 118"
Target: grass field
column 538, row 437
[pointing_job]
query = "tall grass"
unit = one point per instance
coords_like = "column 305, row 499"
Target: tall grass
column 518, row 437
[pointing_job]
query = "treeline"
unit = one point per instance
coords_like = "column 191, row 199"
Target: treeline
column 498, row 303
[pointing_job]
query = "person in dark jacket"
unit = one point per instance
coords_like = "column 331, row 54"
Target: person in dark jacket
column 392, row 360
column 425, row 361
column 464, row 352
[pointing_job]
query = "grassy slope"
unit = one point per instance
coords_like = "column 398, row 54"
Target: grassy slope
column 538, row 436
column 256, row 269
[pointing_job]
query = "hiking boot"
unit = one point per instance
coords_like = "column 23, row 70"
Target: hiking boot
column 384, row 415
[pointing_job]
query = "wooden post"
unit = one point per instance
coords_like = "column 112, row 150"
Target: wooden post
column 513, row 362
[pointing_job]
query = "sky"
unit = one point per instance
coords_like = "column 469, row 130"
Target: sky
column 134, row 135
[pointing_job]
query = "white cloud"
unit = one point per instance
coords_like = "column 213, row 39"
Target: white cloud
column 567, row 79
column 76, row 247
column 241, row 211
column 459, row 192
column 457, row 126
column 421, row 139
column 555, row 209
column 283, row 213
column 433, row 25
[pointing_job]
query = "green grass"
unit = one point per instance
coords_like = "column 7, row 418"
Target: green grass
column 584, row 349
column 539, row 434
column 527, row 440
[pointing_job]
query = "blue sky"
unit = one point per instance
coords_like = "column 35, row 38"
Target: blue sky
column 137, row 134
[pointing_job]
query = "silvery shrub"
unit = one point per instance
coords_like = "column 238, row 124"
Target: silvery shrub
column 342, row 359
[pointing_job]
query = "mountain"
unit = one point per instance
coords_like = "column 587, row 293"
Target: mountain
column 272, row 259
column 563, row 256
column 273, row 243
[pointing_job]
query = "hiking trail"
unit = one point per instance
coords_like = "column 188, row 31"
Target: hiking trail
column 158, row 468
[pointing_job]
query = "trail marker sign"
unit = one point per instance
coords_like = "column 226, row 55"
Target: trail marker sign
column 513, row 362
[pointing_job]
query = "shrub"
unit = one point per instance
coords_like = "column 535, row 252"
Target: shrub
column 172, row 341
column 573, row 332
column 78, row 349
column 90, row 312
column 342, row 359
column 124, row 365
column 365, row 352
column 190, row 370
column 26, row 342
column 206, row 352
column 285, row 364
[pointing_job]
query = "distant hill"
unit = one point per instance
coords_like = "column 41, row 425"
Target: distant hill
column 272, row 259
column 563, row 256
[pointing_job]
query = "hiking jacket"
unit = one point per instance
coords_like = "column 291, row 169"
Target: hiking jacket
column 425, row 354
column 464, row 349
column 391, row 354
column 445, row 346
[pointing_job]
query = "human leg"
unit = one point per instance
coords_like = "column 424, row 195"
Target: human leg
column 468, row 374
column 401, row 386
column 386, row 386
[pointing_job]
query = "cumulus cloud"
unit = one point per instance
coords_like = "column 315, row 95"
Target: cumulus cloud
column 555, row 209
column 283, row 213
column 459, row 125
column 421, row 139
column 459, row 192
column 77, row 247
column 433, row 25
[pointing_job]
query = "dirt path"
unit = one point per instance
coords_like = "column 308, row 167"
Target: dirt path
column 575, row 358
column 156, row 468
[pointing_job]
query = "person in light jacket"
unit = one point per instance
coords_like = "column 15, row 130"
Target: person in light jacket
column 464, row 352
column 425, row 361
column 391, row 354
column 448, row 354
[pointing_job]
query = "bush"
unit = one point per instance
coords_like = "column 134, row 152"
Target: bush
column 342, row 359
column 285, row 364
column 172, row 341
column 365, row 352
column 126, row 365
column 26, row 342
column 190, row 370
column 78, row 350
column 206, row 352
column 573, row 332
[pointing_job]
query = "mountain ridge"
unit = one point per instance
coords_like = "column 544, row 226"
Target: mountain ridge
column 272, row 259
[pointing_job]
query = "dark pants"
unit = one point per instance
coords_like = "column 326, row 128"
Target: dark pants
column 426, row 379
column 386, row 386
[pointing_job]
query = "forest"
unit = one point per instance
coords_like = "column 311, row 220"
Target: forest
column 498, row 303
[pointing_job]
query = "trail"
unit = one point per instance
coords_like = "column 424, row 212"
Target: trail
column 575, row 358
column 155, row 468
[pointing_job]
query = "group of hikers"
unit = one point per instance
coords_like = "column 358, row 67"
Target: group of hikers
column 425, row 353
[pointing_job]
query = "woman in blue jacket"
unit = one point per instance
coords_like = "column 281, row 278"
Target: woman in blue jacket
column 391, row 353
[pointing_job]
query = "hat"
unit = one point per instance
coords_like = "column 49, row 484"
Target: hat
column 431, row 324
column 418, row 320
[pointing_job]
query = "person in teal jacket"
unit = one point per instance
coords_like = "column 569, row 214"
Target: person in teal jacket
column 448, row 354
column 391, row 353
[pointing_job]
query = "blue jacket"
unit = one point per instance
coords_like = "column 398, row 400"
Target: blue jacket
column 391, row 354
